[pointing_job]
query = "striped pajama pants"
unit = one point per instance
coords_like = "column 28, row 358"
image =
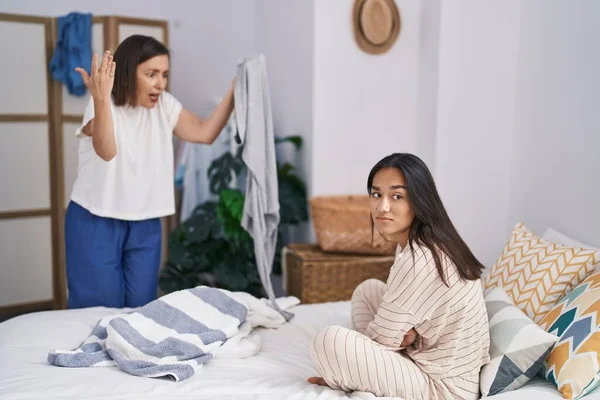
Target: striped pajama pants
column 350, row 361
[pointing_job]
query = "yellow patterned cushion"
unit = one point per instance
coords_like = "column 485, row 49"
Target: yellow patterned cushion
column 574, row 363
column 537, row 273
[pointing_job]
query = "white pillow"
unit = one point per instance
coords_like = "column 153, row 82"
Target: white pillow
column 518, row 346
column 555, row 236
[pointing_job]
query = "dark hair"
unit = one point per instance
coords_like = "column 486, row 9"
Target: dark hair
column 431, row 226
column 132, row 51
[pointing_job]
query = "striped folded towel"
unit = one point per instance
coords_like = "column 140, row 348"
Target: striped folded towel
column 176, row 334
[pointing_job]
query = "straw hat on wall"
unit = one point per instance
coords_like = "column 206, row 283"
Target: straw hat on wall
column 376, row 25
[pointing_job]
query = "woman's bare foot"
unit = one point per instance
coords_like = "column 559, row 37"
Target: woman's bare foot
column 317, row 380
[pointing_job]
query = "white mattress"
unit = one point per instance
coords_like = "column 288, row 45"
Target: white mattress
column 279, row 371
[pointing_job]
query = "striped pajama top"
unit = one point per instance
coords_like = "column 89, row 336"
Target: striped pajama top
column 451, row 321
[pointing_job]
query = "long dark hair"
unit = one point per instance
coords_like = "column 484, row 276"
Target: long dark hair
column 132, row 51
column 431, row 226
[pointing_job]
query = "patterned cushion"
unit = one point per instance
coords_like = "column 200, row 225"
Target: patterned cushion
column 573, row 364
column 518, row 346
column 537, row 273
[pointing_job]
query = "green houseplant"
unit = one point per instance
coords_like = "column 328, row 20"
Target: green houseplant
column 211, row 247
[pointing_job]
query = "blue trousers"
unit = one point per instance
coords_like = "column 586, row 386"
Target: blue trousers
column 110, row 263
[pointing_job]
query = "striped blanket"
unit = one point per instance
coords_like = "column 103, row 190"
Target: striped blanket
column 176, row 334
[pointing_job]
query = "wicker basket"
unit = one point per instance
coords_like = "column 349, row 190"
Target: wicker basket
column 343, row 224
column 317, row 277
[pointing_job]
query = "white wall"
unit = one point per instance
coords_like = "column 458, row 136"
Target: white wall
column 475, row 120
column 517, row 122
column 428, row 75
column 556, row 161
column 206, row 37
column 364, row 106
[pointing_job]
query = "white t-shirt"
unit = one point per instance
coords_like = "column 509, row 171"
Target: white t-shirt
column 138, row 183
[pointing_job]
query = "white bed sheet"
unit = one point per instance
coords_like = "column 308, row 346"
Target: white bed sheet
column 279, row 371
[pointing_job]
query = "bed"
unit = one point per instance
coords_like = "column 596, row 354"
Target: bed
column 279, row 371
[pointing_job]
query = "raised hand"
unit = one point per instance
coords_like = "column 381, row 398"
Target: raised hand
column 100, row 81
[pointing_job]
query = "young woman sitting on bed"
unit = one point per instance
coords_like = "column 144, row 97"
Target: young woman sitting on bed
column 423, row 334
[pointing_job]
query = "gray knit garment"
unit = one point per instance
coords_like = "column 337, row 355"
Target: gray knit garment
column 254, row 122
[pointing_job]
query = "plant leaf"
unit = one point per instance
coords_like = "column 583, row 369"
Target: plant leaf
column 233, row 200
column 208, row 207
column 284, row 170
column 222, row 170
column 292, row 196
column 229, row 212
column 200, row 227
column 295, row 140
